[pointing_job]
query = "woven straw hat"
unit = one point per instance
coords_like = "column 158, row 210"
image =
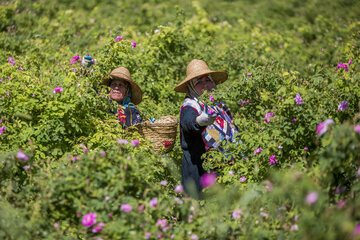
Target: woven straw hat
column 197, row 68
column 123, row 73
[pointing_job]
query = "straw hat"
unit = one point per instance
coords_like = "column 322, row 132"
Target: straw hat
column 124, row 74
column 197, row 68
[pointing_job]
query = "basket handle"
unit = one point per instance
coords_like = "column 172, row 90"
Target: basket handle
column 147, row 118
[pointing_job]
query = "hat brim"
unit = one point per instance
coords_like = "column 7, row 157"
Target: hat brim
column 136, row 93
column 217, row 76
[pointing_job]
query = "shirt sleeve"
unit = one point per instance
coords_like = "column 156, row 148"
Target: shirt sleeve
column 187, row 120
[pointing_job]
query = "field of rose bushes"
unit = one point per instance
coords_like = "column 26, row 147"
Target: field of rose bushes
column 69, row 171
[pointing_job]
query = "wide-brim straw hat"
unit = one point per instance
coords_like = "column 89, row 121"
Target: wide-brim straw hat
column 197, row 68
column 124, row 74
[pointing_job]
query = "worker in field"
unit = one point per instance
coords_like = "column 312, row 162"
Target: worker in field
column 124, row 91
column 202, row 127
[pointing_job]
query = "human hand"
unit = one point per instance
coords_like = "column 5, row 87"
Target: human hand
column 205, row 119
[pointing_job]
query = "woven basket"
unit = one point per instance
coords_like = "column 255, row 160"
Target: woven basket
column 161, row 133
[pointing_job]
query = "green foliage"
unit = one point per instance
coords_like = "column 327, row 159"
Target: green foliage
column 78, row 162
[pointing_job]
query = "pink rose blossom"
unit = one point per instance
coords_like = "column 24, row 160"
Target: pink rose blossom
column 343, row 105
column 98, row 227
column 122, row 141
column 211, row 97
column 208, row 179
column 2, row 129
column 153, row 202
column 272, row 160
column 58, row 89
column 164, row 182
column 194, row 237
column 306, row 148
column 236, row 214
column 259, row 150
column 147, row 235
column 242, row 179
column 178, row 189
column 135, row 142
column 298, row 99
column 357, row 128
column 294, row 227
column 126, row 207
column 350, row 62
column 268, row 116
column 249, row 74
column 341, row 204
column 357, row 230
column 89, row 219
column 323, row 126
column 141, row 208
column 20, row 68
column 311, row 198
column 74, row 59
column 118, row 38
column 22, row 156
column 11, row 61
column 133, row 44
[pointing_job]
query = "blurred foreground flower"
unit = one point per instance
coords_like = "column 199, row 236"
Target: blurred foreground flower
column 343, row 66
column 258, row 151
column 357, row 230
column 135, row 142
column 2, row 129
column 208, row 179
column 273, row 160
column 118, row 38
column 74, row 59
column 153, row 202
column 298, row 99
column 178, row 189
column 268, row 116
column 11, row 61
column 236, row 214
column 98, row 227
column 89, row 219
column 357, row 128
column 194, row 237
column 126, row 207
column 58, row 89
column 323, row 126
column 311, row 198
column 22, row 156
column 343, row 105
column 122, row 141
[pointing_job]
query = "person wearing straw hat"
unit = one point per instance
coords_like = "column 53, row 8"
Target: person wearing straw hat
column 202, row 127
column 127, row 94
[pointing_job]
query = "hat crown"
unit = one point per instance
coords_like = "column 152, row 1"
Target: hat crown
column 122, row 71
column 196, row 66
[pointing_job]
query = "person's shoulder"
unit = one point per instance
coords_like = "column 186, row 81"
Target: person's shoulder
column 191, row 103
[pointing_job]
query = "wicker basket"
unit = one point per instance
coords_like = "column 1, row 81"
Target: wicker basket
column 162, row 133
